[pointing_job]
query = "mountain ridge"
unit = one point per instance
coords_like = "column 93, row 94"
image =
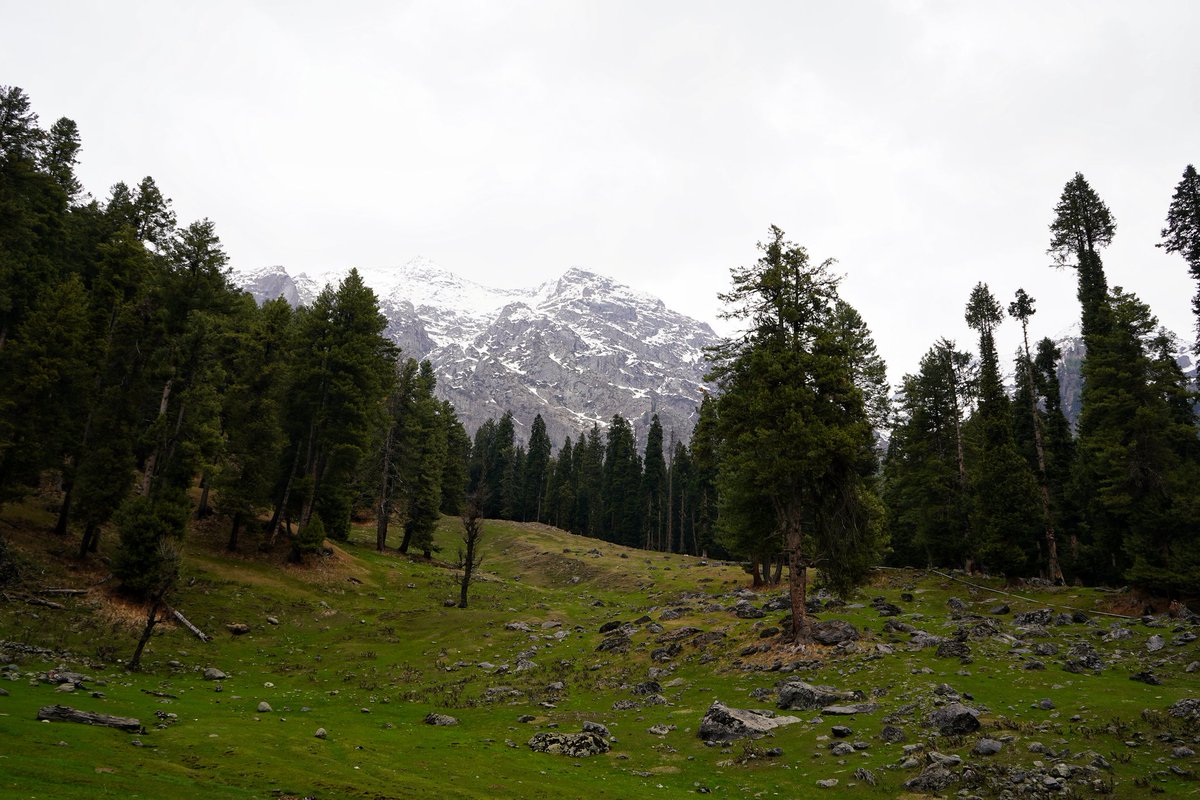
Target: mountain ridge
column 577, row 349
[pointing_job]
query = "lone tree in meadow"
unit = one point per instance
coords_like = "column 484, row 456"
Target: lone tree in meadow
column 469, row 557
column 796, row 440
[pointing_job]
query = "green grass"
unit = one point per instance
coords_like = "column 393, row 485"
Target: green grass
column 365, row 648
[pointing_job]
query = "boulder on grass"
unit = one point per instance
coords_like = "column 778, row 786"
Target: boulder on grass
column 724, row 724
column 834, row 631
column 796, row 695
column 955, row 719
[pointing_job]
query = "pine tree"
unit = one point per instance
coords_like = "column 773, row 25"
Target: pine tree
column 653, row 489
column 1182, row 234
column 796, row 436
column 1004, row 511
column 536, row 476
column 622, row 520
column 705, row 456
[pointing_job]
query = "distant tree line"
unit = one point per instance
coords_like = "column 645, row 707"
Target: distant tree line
column 663, row 498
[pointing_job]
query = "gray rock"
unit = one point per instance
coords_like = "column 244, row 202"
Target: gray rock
column 1192, row 667
column 1182, row 752
column 596, row 728
column 1082, row 658
column 660, row 730
column 797, row 695
column 321, row 733
column 955, row 719
column 1187, row 708
column 841, row 749
column 573, row 745
column 272, row 621
column 851, row 709
column 434, row 718
column 214, row 674
column 865, row 775
column 953, row 649
column 1155, row 643
column 724, row 724
column 834, row 631
column 264, row 707
column 934, row 779
column 618, row 643
column 238, row 628
column 987, row 747
column 892, row 735
column 827, row 783
column 841, row 731
column 1040, row 618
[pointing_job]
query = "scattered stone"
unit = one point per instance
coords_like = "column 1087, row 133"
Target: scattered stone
column 596, row 728
column 238, row 628
column 774, row 752
column 828, row 783
column 1192, row 667
column 797, row 695
column 264, row 707
column 1155, row 643
column 660, row 730
column 841, row 749
column 272, row 621
column 214, row 674
column 612, row 625
column 572, row 745
column 617, row 643
column 987, row 747
column 1187, row 708
column 955, row 719
column 953, row 649
column 1182, row 752
column 743, row 610
column 1046, row 704
column 892, row 735
column 530, row 718
column 724, row 724
column 1146, row 676
column 841, row 731
column 65, row 687
column 320, row 734
column 1000, row 609
column 888, row 609
column 834, row 631
column 1083, row 658
column 850, row 710
column 434, row 718
column 934, row 779
column 1045, row 649
column 865, row 775
column 1040, row 618
column 955, row 604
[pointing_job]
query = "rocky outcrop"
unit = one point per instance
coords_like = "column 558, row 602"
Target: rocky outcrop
column 574, row 745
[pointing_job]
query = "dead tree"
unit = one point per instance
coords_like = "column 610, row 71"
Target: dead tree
column 470, row 558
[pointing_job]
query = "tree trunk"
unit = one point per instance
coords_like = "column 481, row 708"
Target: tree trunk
column 755, row 571
column 148, row 473
column 64, row 512
column 233, row 532
column 798, row 578
column 778, row 579
column 204, row 509
column 91, row 532
column 280, row 509
column 135, row 663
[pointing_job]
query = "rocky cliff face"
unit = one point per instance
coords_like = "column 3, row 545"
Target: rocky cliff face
column 576, row 350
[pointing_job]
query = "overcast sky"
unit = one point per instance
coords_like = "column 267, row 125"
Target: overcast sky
column 922, row 144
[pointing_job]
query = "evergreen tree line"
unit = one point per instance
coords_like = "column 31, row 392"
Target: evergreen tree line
column 134, row 372
column 975, row 477
column 599, row 485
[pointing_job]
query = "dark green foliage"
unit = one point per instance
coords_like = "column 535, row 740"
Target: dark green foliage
column 536, row 476
column 925, row 474
column 1182, row 234
column 10, row 573
column 1004, row 509
column 654, row 489
column 458, row 454
column 309, row 541
column 622, row 480
column 143, row 522
column 797, row 451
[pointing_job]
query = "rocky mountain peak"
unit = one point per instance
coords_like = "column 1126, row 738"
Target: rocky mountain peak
column 576, row 349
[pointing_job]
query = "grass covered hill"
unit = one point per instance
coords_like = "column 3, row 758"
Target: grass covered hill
column 365, row 646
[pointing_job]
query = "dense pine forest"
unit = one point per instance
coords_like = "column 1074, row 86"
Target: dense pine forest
column 142, row 389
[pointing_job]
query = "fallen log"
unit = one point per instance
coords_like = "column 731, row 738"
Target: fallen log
column 33, row 601
column 62, row 591
column 182, row 620
column 68, row 714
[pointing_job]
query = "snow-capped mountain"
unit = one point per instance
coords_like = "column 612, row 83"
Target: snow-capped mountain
column 576, row 349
